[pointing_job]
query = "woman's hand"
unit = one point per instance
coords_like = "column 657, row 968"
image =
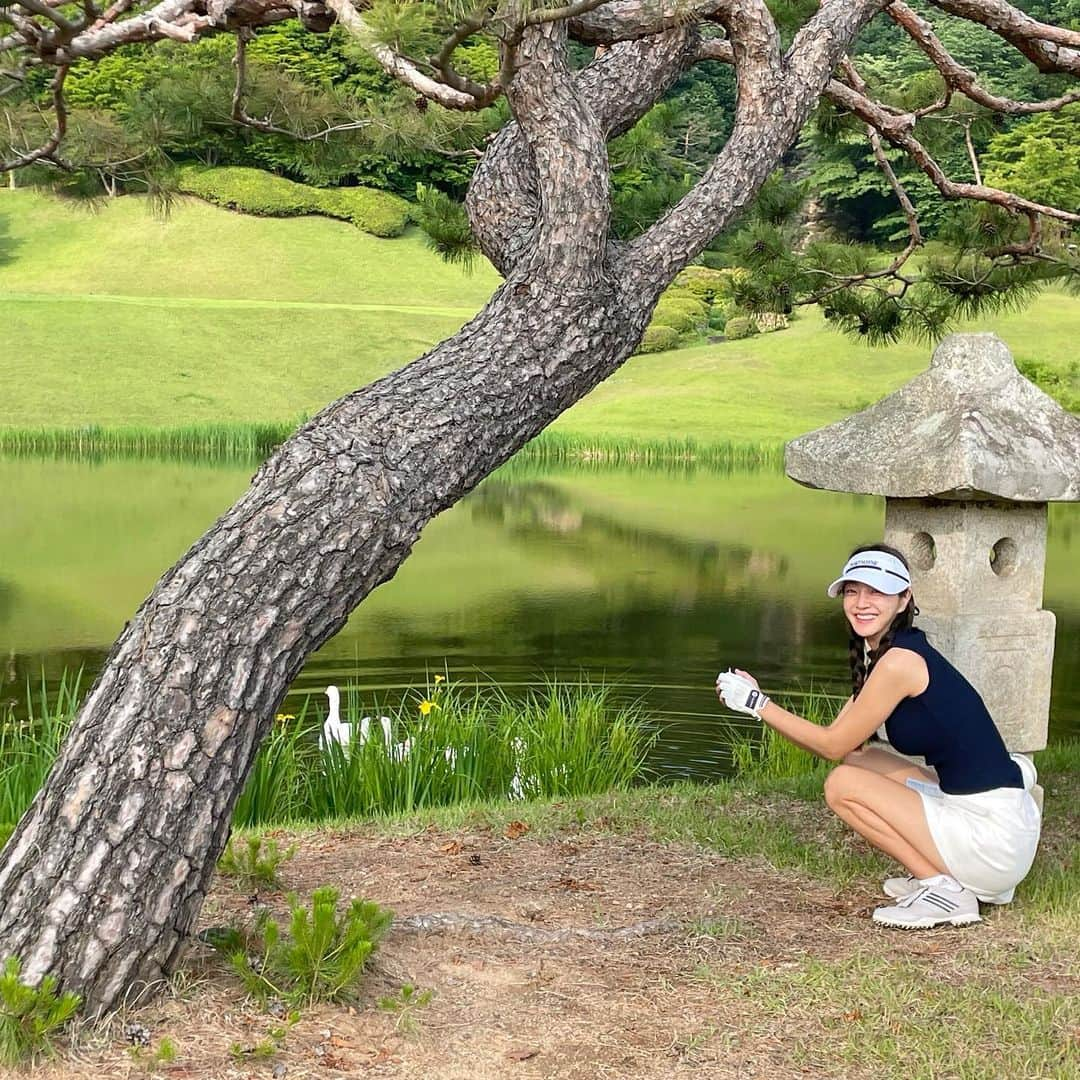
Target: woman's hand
column 740, row 693
column 742, row 675
column 748, row 677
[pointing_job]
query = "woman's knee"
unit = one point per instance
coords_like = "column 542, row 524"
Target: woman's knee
column 840, row 783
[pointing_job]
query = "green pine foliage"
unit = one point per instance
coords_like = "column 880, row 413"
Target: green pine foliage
column 254, row 861
column 30, row 1017
column 253, row 191
column 446, row 225
column 320, row 955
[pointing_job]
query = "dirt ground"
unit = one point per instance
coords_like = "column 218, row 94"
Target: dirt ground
column 665, row 1004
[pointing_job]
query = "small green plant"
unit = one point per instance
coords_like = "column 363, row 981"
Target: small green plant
column 405, row 1005
column 165, row 1053
column 30, row 1016
column 254, row 861
column 268, row 1047
column 319, row 957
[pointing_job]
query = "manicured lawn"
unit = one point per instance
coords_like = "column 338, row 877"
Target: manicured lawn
column 120, row 318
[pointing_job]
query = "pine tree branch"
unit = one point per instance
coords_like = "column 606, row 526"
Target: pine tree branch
column 567, row 143
column 899, row 130
column 960, row 79
column 405, row 71
column 620, row 85
column 47, row 150
column 629, row 20
column 239, row 114
column 1050, row 48
column 775, row 96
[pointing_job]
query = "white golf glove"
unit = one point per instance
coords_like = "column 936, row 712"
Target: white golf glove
column 740, row 694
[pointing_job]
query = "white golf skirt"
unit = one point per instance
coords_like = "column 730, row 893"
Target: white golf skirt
column 988, row 840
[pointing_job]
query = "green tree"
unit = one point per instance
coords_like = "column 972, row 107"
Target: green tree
column 1039, row 158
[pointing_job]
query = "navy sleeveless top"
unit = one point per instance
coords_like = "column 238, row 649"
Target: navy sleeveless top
column 949, row 725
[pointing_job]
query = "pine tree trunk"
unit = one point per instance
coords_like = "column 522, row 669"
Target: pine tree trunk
column 102, row 881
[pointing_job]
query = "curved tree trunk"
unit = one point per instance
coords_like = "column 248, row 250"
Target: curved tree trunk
column 102, row 881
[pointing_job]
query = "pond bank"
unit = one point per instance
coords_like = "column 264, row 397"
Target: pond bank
column 771, row 969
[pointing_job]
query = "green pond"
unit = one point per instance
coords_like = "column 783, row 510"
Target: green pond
column 650, row 579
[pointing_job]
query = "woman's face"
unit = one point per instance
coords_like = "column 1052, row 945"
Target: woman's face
column 871, row 612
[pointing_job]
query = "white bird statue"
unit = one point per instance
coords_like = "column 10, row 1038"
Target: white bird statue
column 335, row 730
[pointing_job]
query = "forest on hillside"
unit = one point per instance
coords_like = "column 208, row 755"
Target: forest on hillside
column 138, row 113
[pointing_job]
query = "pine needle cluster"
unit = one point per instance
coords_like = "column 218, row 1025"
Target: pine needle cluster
column 319, row 956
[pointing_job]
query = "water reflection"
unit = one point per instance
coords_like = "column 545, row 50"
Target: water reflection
column 650, row 579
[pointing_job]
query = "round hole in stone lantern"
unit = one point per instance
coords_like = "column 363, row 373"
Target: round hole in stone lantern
column 922, row 551
column 1004, row 557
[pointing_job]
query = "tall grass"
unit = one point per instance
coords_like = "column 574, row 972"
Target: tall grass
column 765, row 755
column 28, row 746
column 568, row 739
column 462, row 746
column 629, row 452
column 192, row 442
column 222, row 442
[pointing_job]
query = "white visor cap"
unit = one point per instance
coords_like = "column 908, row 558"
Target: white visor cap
column 878, row 569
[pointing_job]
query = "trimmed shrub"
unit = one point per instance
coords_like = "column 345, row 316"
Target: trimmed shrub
column 249, row 190
column 739, row 327
column 704, row 283
column 658, row 339
column 253, row 191
column 719, row 313
column 672, row 315
column 376, row 212
column 690, row 304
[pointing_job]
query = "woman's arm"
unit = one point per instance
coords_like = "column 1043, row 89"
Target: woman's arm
column 900, row 673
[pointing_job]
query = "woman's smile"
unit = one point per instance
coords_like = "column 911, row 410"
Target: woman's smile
column 870, row 612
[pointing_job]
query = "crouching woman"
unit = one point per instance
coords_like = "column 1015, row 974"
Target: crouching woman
column 966, row 827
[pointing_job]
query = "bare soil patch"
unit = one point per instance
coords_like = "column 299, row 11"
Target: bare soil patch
column 662, row 1005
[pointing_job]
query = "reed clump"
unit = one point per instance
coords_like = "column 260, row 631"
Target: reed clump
column 435, row 747
column 218, row 442
column 444, row 746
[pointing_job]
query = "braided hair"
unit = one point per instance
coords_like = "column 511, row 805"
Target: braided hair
column 862, row 662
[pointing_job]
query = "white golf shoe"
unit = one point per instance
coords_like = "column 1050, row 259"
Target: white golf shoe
column 899, row 887
column 937, row 901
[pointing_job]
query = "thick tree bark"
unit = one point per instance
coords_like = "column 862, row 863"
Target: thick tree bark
column 103, row 879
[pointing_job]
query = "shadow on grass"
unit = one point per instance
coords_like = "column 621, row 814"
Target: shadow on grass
column 8, row 243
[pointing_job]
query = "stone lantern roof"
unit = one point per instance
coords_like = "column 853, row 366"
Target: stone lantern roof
column 969, row 427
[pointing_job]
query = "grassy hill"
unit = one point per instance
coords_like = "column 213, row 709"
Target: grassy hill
column 120, row 318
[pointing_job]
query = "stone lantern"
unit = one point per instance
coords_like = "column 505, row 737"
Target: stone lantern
column 967, row 455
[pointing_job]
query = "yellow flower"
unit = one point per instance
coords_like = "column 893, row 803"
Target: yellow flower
column 426, row 706
column 439, row 679
column 283, row 717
